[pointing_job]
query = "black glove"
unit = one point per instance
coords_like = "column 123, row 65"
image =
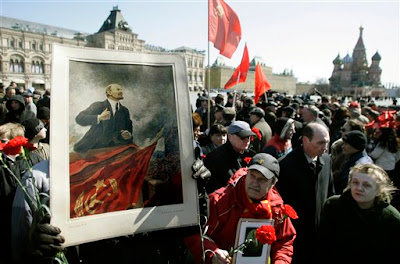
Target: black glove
column 44, row 239
column 200, row 171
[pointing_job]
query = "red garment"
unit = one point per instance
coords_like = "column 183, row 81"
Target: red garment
column 227, row 206
column 281, row 145
column 224, row 28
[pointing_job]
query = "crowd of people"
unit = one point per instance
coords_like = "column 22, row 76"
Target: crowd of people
column 322, row 147
column 23, row 113
column 336, row 164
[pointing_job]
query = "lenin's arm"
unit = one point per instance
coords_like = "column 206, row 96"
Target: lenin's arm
column 89, row 116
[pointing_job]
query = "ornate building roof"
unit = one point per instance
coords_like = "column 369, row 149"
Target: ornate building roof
column 337, row 60
column 115, row 21
column 347, row 59
column 376, row 57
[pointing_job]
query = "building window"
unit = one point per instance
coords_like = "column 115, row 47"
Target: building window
column 41, row 46
column 20, row 44
column 16, row 65
column 34, row 46
column 37, row 66
column 12, row 43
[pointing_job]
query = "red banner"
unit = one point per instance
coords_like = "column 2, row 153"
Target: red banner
column 108, row 179
column 224, row 28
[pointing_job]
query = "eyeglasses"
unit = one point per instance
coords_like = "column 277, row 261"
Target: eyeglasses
column 244, row 138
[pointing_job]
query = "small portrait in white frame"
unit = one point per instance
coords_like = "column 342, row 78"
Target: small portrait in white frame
column 252, row 254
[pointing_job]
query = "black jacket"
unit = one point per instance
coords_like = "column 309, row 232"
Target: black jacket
column 306, row 193
column 348, row 234
column 105, row 134
column 20, row 115
column 223, row 162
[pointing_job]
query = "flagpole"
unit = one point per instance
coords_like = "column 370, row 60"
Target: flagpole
column 234, row 95
column 208, row 67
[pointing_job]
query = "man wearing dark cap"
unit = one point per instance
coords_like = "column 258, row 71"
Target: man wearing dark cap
column 261, row 128
column 250, row 193
column 354, row 144
column 228, row 116
column 224, row 161
column 43, row 113
column 34, row 132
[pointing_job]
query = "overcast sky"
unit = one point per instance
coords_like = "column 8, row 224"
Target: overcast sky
column 303, row 36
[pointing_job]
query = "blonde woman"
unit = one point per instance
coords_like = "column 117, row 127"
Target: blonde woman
column 360, row 225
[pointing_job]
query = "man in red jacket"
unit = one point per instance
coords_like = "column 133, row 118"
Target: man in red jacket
column 250, row 193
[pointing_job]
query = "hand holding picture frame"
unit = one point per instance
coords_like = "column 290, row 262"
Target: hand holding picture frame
column 252, row 254
column 121, row 144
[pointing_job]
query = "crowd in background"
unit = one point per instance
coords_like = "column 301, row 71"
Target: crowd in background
column 328, row 150
column 326, row 158
column 24, row 113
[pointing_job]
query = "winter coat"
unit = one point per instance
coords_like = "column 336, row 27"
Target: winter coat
column 306, row 193
column 223, row 162
column 20, row 115
column 226, row 208
column 349, row 234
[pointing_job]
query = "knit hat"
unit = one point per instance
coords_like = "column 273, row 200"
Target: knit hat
column 266, row 164
column 356, row 139
column 32, row 127
column 43, row 113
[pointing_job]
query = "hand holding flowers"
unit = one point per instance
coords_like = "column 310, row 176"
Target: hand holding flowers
column 41, row 230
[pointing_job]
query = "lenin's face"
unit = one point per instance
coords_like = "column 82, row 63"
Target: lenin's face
column 115, row 92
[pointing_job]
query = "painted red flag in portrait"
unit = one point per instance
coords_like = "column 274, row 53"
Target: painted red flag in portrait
column 109, row 180
column 240, row 74
column 224, row 28
column 262, row 84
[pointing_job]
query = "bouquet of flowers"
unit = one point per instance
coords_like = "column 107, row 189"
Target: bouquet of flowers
column 20, row 146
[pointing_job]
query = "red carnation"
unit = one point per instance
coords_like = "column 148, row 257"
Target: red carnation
column 266, row 234
column 257, row 132
column 247, row 160
column 289, row 211
column 14, row 146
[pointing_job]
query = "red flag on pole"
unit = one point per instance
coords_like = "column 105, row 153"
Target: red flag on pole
column 240, row 74
column 261, row 85
column 223, row 27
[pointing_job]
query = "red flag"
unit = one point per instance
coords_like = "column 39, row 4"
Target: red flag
column 109, row 180
column 223, row 27
column 262, row 84
column 241, row 69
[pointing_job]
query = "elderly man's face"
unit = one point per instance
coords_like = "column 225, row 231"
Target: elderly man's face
column 10, row 93
column 239, row 144
column 115, row 93
column 257, row 186
column 318, row 144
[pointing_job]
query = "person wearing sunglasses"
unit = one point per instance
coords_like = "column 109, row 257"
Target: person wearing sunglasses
column 224, row 161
